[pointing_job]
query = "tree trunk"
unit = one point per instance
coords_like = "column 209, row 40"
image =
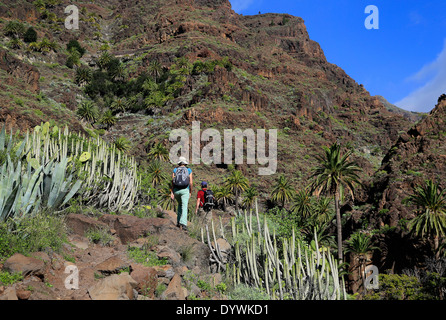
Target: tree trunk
column 436, row 245
column 236, row 201
column 338, row 226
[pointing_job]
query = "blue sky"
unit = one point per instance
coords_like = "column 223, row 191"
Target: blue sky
column 404, row 60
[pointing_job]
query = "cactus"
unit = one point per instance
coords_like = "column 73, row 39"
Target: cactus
column 299, row 271
column 109, row 179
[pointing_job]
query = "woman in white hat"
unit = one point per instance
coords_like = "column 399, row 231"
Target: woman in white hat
column 181, row 190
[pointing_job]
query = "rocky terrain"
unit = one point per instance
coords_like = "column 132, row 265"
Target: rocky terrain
column 107, row 272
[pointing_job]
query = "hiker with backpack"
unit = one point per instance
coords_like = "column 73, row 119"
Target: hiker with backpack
column 205, row 199
column 181, row 190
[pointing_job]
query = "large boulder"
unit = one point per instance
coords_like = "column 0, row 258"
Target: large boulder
column 174, row 290
column 112, row 265
column 146, row 278
column 80, row 223
column 114, row 287
column 130, row 228
column 18, row 263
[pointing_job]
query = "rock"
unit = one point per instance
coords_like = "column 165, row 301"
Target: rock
column 79, row 223
column 114, row 287
column 223, row 244
column 79, row 242
column 112, row 265
column 171, row 255
column 146, row 278
column 41, row 256
column 23, row 294
column 9, row 294
column 165, row 271
column 25, row 265
column 180, row 241
column 41, row 291
column 129, row 228
column 174, row 290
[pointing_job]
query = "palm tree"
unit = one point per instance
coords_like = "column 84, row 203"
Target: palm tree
column 237, row 183
column 334, row 174
column 83, row 76
column 324, row 210
column 118, row 71
column 46, row 45
column 303, row 203
column 223, row 195
column 155, row 69
column 164, row 199
column 108, row 119
column 104, row 60
column 119, row 105
column 159, row 152
column 282, row 191
column 15, row 43
column 430, row 202
column 14, row 29
column 249, row 197
column 156, row 99
column 155, row 173
column 122, row 144
column 87, row 111
column 360, row 244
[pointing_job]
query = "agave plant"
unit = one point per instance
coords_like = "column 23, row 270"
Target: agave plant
column 24, row 192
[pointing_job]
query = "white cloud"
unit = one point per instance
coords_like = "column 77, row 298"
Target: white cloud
column 240, row 5
column 433, row 76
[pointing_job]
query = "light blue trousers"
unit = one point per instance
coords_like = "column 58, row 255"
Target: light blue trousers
column 182, row 197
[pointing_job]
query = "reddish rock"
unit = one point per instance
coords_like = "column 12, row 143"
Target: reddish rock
column 80, row 223
column 25, row 265
column 146, row 278
column 174, row 290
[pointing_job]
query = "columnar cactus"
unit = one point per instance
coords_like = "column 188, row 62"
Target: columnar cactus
column 298, row 271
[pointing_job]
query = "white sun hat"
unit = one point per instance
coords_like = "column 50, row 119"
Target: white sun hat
column 182, row 160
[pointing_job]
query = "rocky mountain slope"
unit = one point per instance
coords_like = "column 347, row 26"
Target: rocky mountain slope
column 273, row 77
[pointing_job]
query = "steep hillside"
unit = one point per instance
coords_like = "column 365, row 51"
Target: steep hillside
column 279, row 78
column 418, row 155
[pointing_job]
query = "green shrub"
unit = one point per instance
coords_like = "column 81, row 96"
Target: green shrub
column 244, row 292
column 144, row 256
column 99, row 235
column 7, row 278
column 74, row 44
column 397, row 287
column 42, row 231
column 30, row 35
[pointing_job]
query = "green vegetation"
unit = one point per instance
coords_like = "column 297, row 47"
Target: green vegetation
column 144, row 256
column 430, row 202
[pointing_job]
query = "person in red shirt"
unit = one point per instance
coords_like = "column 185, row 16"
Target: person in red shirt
column 200, row 197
